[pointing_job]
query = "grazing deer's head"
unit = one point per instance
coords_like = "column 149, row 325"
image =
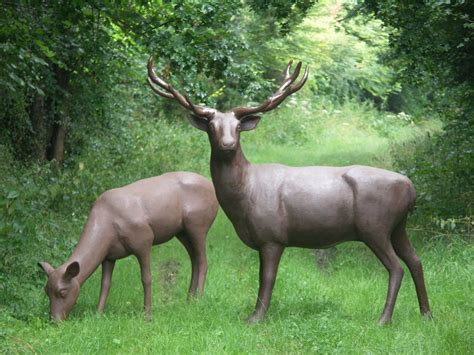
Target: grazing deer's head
column 62, row 288
column 223, row 128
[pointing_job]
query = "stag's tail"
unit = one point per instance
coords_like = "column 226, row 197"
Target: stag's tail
column 412, row 192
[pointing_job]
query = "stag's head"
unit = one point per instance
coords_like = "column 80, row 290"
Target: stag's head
column 62, row 288
column 223, row 128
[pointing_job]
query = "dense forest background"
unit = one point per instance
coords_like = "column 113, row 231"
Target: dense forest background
column 77, row 117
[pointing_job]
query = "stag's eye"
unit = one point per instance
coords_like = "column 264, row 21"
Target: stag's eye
column 62, row 293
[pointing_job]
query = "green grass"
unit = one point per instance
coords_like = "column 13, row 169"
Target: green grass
column 330, row 311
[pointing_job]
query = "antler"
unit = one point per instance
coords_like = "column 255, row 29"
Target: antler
column 171, row 93
column 285, row 90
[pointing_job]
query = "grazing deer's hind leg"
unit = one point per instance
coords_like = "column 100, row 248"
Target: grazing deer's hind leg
column 384, row 251
column 185, row 240
column 199, row 243
column 197, row 240
column 107, row 270
column 407, row 253
column 270, row 255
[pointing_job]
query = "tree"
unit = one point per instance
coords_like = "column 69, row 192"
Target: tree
column 61, row 61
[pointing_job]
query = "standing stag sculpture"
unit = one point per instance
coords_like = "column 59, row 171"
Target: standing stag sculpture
column 273, row 206
column 130, row 220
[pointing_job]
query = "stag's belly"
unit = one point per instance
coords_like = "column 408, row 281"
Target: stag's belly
column 320, row 211
column 304, row 207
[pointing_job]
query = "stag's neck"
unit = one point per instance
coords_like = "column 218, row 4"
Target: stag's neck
column 93, row 245
column 230, row 175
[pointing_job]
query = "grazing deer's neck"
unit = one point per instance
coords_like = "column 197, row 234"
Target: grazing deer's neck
column 93, row 245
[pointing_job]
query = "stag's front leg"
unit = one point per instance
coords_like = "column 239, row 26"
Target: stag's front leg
column 107, row 270
column 270, row 255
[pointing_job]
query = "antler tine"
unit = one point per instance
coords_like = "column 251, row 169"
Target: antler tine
column 152, row 75
column 199, row 110
column 302, row 81
column 288, row 79
column 287, row 70
column 158, row 91
column 280, row 95
column 171, row 93
column 296, row 73
column 292, row 89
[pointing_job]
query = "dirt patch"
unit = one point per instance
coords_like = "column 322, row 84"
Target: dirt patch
column 168, row 275
column 323, row 258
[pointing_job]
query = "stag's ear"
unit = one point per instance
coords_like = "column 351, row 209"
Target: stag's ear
column 72, row 271
column 198, row 122
column 249, row 122
column 47, row 268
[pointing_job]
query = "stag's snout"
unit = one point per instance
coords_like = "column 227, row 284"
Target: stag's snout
column 228, row 144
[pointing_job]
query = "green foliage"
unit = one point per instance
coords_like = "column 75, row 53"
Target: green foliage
column 430, row 38
column 285, row 14
column 431, row 47
column 60, row 63
column 342, row 66
column 441, row 168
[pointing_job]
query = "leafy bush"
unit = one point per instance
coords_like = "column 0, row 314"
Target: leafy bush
column 441, row 167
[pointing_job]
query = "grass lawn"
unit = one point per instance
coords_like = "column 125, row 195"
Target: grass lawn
column 313, row 311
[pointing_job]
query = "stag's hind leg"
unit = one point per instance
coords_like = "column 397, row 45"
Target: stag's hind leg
column 383, row 249
column 407, row 253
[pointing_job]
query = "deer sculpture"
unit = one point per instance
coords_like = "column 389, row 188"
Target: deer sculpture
column 130, row 220
column 273, row 206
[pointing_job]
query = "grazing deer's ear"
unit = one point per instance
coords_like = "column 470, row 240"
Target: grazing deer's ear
column 47, row 268
column 198, row 122
column 249, row 122
column 72, row 271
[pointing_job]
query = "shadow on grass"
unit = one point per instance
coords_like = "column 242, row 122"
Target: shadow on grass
column 306, row 309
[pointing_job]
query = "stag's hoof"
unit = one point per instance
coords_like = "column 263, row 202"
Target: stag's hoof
column 147, row 317
column 427, row 315
column 384, row 321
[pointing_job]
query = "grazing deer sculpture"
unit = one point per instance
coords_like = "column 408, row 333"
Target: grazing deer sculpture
column 130, row 220
column 273, row 206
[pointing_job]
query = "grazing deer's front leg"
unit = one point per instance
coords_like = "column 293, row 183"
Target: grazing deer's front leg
column 107, row 270
column 270, row 255
column 144, row 260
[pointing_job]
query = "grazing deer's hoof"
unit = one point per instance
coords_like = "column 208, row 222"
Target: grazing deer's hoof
column 255, row 318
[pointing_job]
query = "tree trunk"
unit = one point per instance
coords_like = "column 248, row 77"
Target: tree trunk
column 57, row 142
column 37, row 111
column 57, row 129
